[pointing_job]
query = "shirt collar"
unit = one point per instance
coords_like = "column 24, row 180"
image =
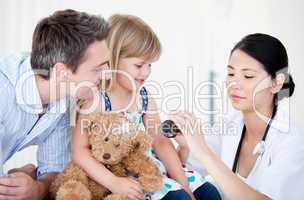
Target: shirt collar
column 281, row 121
column 27, row 93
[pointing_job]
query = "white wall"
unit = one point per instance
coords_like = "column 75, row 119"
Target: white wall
column 194, row 33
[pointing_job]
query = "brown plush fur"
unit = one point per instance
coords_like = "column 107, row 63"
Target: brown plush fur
column 125, row 156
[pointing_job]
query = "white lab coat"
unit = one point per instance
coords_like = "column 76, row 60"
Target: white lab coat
column 279, row 171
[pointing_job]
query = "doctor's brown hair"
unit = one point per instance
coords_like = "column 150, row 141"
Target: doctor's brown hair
column 271, row 53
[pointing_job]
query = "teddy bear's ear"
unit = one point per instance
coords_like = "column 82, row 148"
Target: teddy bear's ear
column 86, row 123
column 142, row 141
column 94, row 126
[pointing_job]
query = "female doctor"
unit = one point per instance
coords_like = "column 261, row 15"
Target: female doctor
column 263, row 156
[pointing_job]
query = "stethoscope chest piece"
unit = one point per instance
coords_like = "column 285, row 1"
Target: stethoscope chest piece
column 259, row 148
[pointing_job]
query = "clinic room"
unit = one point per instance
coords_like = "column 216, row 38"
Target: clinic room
column 160, row 100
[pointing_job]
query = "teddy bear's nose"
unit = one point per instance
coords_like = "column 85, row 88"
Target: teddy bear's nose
column 106, row 156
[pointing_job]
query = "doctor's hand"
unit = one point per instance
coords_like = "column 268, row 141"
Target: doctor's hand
column 190, row 127
column 19, row 186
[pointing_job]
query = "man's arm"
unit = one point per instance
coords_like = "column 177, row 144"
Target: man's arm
column 53, row 154
column 44, row 184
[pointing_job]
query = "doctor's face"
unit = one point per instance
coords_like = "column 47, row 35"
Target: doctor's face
column 248, row 83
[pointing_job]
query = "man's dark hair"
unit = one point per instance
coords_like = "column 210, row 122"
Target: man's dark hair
column 64, row 37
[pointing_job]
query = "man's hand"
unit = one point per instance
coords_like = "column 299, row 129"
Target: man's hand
column 19, row 186
column 29, row 169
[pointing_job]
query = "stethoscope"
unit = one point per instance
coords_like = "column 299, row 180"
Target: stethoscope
column 169, row 129
column 259, row 148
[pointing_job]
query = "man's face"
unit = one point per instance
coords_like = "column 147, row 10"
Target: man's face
column 89, row 72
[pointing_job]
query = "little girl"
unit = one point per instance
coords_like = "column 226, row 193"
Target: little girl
column 134, row 46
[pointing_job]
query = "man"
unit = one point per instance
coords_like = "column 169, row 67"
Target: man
column 68, row 51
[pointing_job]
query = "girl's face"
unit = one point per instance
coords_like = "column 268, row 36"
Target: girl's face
column 248, row 84
column 137, row 68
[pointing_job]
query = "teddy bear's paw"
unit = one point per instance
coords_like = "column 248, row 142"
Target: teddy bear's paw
column 151, row 183
column 116, row 197
column 73, row 190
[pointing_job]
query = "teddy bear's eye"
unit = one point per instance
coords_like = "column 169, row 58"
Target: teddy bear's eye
column 106, row 139
column 117, row 145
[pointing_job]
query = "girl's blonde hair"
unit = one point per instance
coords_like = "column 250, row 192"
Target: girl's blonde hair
column 129, row 36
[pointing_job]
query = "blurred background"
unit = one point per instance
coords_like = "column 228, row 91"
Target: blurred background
column 196, row 35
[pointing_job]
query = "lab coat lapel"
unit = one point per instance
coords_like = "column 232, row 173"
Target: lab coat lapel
column 231, row 141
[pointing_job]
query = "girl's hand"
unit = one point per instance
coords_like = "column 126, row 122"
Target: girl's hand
column 127, row 187
column 191, row 130
column 181, row 141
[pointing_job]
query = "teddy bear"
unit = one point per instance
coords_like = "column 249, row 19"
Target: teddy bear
column 121, row 147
